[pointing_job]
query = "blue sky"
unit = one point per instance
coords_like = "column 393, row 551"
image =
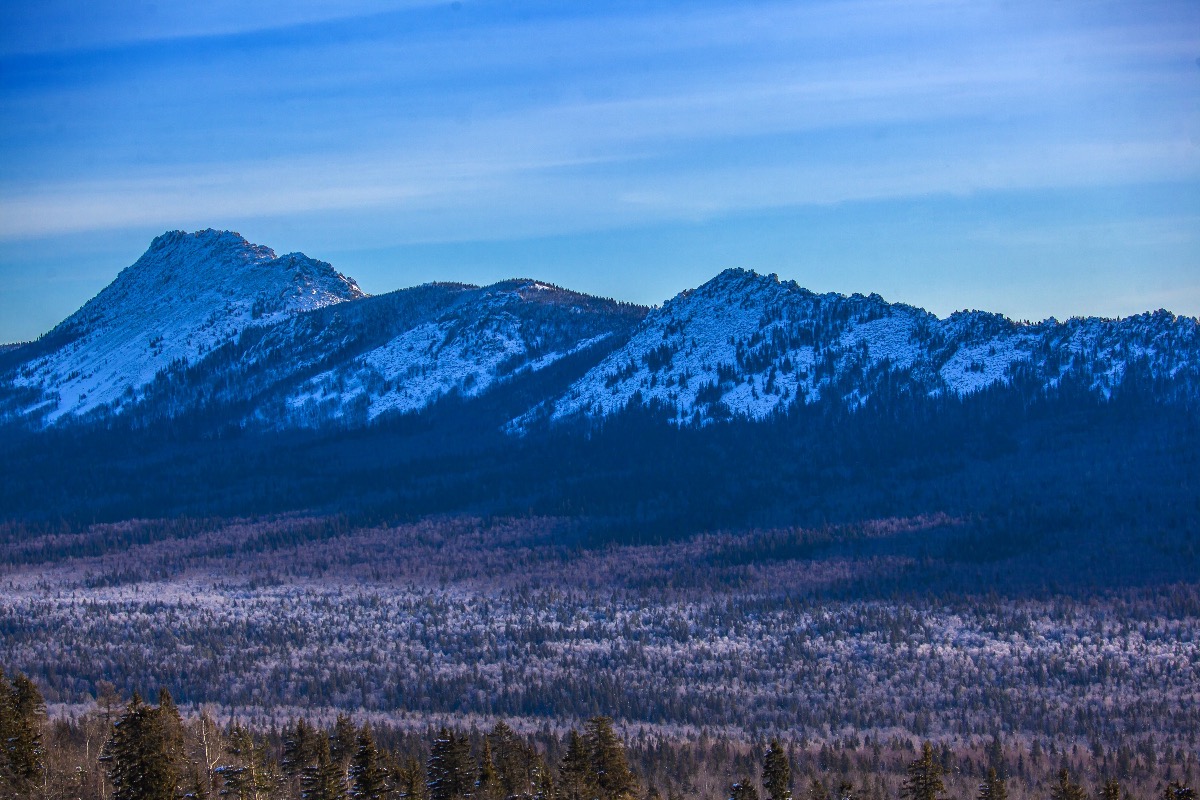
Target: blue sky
column 1033, row 158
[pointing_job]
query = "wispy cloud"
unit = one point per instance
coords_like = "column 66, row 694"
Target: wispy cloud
column 441, row 122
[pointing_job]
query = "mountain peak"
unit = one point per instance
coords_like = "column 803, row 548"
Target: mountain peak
column 188, row 294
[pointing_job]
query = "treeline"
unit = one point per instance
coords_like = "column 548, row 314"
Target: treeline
column 139, row 751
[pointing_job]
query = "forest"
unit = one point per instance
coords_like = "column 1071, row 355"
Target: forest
column 1009, row 577
column 133, row 750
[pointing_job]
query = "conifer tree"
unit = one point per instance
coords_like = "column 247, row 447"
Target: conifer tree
column 487, row 785
column 610, row 770
column 994, row 787
column 1111, row 790
column 743, row 790
column 172, row 732
column 248, row 776
column 1066, row 789
column 140, row 766
column 817, row 790
column 451, row 771
column 368, row 778
column 410, row 781
column 575, row 772
column 322, row 780
column 777, row 772
column 1177, row 790
column 21, row 757
column 924, row 781
column 300, row 745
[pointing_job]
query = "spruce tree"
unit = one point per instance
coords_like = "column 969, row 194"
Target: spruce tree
column 410, row 781
column 777, row 772
column 610, row 770
column 993, row 787
column 1177, row 790
column 368, row 778
column 300, row 744
column 140, row 766
column 343, row 740
column 451, row 771
column 322, row 780
column 487, row 785
column 817, row 790
column 21, row 756
column 575, row 772
column 924, row 781
column 743, row 790
column 248, row 776
column 1111, row 790
column 1066, row 789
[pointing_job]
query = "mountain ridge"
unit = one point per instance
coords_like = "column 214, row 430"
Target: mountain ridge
column 208, row 319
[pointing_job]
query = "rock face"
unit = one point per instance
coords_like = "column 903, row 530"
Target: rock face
column 209, row 321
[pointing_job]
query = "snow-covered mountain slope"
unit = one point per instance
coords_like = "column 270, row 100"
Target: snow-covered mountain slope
column 748, row 345
column 189, row 294
column 208, row 324
column 473, row 339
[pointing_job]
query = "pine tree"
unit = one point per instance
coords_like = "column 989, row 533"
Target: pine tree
column 994, row 787
column 21, row 755
column 817, row 790
column 575, row 772
column 368, row 778
column 777, row 772
column 609, row 768
column 451, row 773
column 924, row 780
column 1066, row 789
column 322, row 780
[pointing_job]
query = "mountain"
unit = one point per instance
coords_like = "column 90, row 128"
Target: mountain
column 186, row 296
column 751, row 346
column 209, row 323
column 209, row 326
